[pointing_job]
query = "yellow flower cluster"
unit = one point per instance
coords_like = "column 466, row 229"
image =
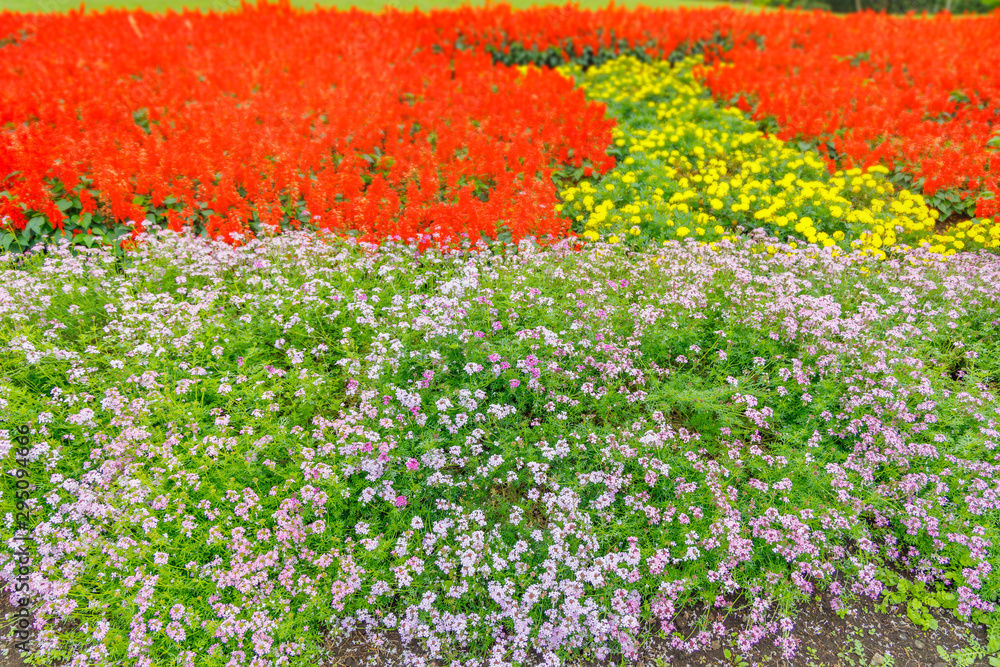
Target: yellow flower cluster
column 690, row 168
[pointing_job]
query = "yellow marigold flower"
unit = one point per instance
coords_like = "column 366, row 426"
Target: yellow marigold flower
column 683, row 231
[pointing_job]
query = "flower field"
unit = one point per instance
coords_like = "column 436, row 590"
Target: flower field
column 227, row 124
column 515, row 337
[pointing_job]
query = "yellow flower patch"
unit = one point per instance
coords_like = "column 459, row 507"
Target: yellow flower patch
column 689, row 168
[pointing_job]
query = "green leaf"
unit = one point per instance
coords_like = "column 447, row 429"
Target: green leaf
column 948, row 600
column 64, row 204
column 35, row 224
column 6, row 238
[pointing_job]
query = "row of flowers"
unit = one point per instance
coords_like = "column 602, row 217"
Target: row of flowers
column 692, row 168
column 215, row 121
column 252, row 452
column 268, row 116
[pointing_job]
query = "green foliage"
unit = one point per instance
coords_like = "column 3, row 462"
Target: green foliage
column 512, row 52
column 994, row 141
column 516, row 53
column 795, row 4
column 918, row 597
column 92, row 229
column 81, row 228
column 734, row 659
column 975, row 652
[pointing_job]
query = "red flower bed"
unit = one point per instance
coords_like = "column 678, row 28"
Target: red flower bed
column 921, row 94
column 254, row 115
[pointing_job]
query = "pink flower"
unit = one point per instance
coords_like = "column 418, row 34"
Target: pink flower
column 160, row 558
column 497, row 326
column 413, row 464
column 514, row 384
column 400, row 501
